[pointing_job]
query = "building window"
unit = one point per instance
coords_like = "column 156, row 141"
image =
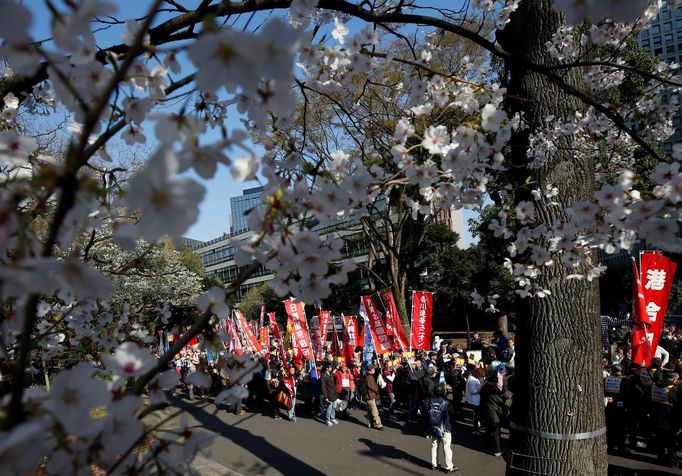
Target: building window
column 667, row 26
column 658, row 52
column 645, row 43
column 670, row 50
column 656, row 30
column 668, row 38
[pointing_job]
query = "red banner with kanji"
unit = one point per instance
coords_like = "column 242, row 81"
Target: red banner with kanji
column 652, row 293
column 350, row 331
column 422, row 313
column 324, row 326
column 301, row 334
column 251, row 340
column 376, row 326
column 274, row 327
column 235, row 344
column 265, row 338
column 393, row 324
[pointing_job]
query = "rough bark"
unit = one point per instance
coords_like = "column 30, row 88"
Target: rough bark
column 558, row 386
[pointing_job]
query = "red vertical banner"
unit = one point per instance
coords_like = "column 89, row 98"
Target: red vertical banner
column 422, row 313
column 251, row 341
column 274, row 327
column 348, row 343
column 262, row 316
column 641, row 347
column 336, row 349
column 376, row 326
column 235, row 343
column 325, row 316
column 265, row 338
column 393, row 324
column 315, row 334
column 301, row 335
column 351, row 325
column 653, row 290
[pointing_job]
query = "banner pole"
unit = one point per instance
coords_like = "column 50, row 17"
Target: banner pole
column 411, row 318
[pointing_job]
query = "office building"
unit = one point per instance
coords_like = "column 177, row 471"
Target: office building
column 240, row 205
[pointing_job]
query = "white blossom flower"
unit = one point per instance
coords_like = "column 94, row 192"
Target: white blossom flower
column 214, row 300
column 226, row 58
column 121, row 428
column 435, row 138
column 15, row 149
column 167, row 206
column 23, row 447
column 129, row 360
column 74, row 393
column 340, row 31
column 245, row 167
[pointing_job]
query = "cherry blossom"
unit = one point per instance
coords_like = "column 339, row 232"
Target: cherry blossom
column 129, row 360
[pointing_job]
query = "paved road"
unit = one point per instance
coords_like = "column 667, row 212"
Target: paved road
column 256, row 444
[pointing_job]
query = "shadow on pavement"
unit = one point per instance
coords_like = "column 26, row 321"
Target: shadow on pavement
column 270, row 455
column 615, row 470
column 388, row 453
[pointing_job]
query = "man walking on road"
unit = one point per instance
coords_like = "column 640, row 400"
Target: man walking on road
column 370, row 395
column 440, row 429
column 328, row 387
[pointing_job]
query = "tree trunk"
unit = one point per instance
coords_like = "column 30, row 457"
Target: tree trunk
column 557, row 413
column 502, row 323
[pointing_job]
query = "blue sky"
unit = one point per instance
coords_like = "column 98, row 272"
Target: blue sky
column 214, row 210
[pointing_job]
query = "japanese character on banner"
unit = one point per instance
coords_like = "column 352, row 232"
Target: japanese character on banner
column 376, row 326
column 422, row 314
column 655, row 279
column 650, row 302
column 296, row 312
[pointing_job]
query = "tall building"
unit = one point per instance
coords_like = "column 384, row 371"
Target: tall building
column 663, row 38
column 240, row 205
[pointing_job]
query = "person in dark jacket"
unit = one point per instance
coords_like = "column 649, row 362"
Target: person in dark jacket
column 440, row 429
column 329, row 395
column 492, row 408
column 370, row 395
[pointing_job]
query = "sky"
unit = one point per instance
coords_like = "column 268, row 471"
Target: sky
column 214, row 211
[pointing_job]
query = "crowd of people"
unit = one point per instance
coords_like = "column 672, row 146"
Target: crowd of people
column 643, row 403
column 428, row 389
column 432, row 389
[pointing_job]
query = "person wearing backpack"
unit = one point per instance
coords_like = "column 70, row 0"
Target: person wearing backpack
column 440, row 429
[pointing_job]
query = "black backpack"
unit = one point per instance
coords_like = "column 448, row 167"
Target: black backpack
column 437, row 411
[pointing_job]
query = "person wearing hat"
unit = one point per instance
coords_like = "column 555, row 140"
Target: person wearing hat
column 616, row 413
column 664, row 413
column 636, row 395
column 370, row 395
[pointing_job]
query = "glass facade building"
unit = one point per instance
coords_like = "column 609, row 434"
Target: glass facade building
column 664, row 40
column 240, row 205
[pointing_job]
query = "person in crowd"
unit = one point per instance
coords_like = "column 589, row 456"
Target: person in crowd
column 344, row 387
column 328, row 390
column 473, row 397
column 492, row 409
column 412, row 376
column 389, row 378
column 476, row 343
column 606, row 324
column 665, row 413
column 287, row 383
column 370, row 396
column 615, row 390
column 439, row 429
